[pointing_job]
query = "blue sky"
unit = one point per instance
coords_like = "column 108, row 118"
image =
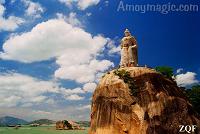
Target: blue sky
column 53, row 52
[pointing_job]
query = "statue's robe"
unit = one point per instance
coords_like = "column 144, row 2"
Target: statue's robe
column 129, row 54
column 124, row 56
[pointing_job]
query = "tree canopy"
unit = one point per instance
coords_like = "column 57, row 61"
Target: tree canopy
column 194, row 97
column 165, row 70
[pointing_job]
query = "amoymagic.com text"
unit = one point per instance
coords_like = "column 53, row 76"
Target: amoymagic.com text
column 161, row 8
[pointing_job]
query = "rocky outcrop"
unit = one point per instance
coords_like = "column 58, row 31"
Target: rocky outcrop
column 67, row 125
column 145, row 103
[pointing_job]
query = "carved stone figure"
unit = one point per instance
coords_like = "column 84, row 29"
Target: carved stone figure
column 129, row 54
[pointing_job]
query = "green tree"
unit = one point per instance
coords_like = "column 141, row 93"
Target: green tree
column 165, row 70
column 194, row 97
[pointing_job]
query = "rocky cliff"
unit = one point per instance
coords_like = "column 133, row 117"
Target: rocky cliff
column 138, row 100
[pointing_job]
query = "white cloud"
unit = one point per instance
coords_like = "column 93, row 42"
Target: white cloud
column 82, row 73
column 67, row 2
column 2, row 1
column 50, row 101
column 27, row 105
column 8, row 24
column 88, row 14
column 115, row 50
column 38, row 99
column 106, row 3
column 186, row 79
column 12, row 1
column 84, row 107
column 74, row 97
column 71, row 19
column 41, row 112
column 52, row 38
column 82, row 4
column 112, row 48
column 23, row 90
column 2, row 9
column 179, row 70
column 73, row 91
column 33, row 9
column 10, row 101
column 99, row 76
column 89, row 87
column 75, row 50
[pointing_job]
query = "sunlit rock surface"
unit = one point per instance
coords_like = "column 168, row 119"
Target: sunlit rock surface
column 158, row 106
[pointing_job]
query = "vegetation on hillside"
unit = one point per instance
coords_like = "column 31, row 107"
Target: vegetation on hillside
column 83, row 123
column 166, row 71
column 126, row 77
column 42, row 121
column 194, row 96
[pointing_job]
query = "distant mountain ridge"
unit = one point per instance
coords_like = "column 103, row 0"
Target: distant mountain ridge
column 43, row 121
column 8, row 120
column 12, row 121
column 84, row 123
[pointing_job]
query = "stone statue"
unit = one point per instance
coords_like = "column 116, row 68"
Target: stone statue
column 129, row 54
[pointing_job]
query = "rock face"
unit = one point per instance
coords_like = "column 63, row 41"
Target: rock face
column 157, row 106
column 66, row 125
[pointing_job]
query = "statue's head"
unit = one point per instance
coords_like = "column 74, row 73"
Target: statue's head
column 127, row 33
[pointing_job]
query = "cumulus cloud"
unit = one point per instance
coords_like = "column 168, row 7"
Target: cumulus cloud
column 113, row 49
column 71, row 19
column 67, row 2
column 186, row 79
column 81, row 73
column 67, row 92
column 41, row 112
column 2, row 9
column 12, row 1
column 23, row 90
column 88, row 14
column 89, row 87
column 53, row 38
column 81, row 4
column 74, row 97
column 179, row 70
column 33, row 9
column 84, row 107
column 10, row 23
column 75, row 50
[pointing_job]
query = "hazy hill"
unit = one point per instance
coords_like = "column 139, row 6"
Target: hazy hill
column 83, row 123
column 43, row 121
column 7, row 120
